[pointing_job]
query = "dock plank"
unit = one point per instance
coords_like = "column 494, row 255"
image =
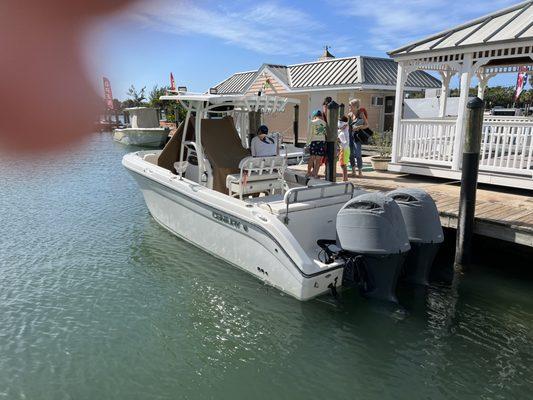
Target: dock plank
column 505, row 214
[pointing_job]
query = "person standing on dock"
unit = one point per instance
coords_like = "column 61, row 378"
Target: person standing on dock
column 357, row 121
column 316, row 140
column 344, row 146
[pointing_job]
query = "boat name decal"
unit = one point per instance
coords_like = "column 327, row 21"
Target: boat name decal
column 228, row 220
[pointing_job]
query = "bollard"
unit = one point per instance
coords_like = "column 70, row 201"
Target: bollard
column 295, row 124
column 469, row 174
column 331, row 141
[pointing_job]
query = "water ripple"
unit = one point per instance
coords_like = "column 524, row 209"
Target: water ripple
column 98, row 301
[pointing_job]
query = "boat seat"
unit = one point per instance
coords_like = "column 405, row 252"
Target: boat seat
column 306, row 198
column 257, row 174
column 279, row 207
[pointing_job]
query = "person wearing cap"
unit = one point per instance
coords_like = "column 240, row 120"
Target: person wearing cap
column 263, row 145
column 316, row 140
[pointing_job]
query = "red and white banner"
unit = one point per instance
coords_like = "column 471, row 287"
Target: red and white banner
column 108, row 94
column 520, row 82
column 172, row 83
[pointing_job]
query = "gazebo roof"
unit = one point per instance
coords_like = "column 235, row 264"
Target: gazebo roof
column 510, row 25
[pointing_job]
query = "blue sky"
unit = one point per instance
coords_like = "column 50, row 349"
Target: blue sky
column 203, row 42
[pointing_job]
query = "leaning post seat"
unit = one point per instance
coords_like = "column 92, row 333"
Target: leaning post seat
column 171, row 152
column 223, row 149
column 257, row 174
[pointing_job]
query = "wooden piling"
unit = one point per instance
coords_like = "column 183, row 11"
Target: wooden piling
column 331, row 141
column 469, row 175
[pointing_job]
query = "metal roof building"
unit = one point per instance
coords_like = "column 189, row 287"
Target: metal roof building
column 358, row 72
column 237, row 83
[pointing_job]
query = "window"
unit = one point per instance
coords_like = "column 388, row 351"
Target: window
column 377, row 101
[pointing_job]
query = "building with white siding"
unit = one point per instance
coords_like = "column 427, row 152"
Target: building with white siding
column 371, row 79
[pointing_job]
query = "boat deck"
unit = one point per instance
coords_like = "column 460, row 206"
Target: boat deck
column 501, row 213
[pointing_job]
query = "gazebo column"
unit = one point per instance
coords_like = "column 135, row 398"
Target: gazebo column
column 446, row 77
column 483, row 78
column 466, row 78
column 403, row 71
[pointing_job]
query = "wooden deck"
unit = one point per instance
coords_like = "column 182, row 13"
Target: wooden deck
column 501, row 213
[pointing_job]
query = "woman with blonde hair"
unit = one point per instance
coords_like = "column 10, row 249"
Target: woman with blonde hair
column 357, row 122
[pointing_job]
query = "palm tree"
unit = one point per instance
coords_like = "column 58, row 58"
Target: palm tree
column 170, row 108
column 136, row 98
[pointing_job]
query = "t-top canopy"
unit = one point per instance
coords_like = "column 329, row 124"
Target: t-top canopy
column 197, row 101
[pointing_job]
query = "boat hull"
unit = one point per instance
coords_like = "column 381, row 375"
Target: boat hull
column 249, row 241
column 148, row 137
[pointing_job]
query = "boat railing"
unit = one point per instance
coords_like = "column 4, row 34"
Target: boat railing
column 311, row 193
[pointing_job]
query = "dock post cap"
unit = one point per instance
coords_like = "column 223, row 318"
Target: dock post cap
column 475, row 103
column 333, row 105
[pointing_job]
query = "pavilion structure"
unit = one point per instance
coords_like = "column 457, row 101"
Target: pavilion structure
column 501, row 42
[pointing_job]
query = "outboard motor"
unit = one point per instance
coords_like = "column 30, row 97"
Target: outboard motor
column 424, row 230
column 371, row 230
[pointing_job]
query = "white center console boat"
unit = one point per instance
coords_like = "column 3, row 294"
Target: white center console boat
column 304, row 240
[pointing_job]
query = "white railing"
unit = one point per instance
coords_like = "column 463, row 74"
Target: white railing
column 504, row 118
column 507, row 146
column 507, row 143
column 427, row 141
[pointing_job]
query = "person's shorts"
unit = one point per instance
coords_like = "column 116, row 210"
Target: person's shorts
column 317, row 148
column 344, row 156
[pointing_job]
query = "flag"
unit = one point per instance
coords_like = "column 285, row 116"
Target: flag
column 521, row 80
column 108, row 94
column 172, row 83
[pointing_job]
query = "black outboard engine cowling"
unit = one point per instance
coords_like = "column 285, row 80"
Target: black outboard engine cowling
column 370, row 227
column 424, row 230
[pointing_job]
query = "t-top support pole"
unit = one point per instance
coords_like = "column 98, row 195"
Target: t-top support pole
column 295, row 124
column 254, row 122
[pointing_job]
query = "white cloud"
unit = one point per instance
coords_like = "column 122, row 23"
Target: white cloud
column 393, row 23
column 267, row 27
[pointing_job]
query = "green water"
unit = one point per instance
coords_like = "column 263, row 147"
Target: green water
column 99, row 302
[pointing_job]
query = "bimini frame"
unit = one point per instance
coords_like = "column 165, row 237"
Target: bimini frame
column 201, row 104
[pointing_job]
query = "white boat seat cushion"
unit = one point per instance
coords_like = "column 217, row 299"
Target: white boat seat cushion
column 257, row 174
column 235, row 178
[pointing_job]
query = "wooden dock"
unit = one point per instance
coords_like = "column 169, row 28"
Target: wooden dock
column 501, row 213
